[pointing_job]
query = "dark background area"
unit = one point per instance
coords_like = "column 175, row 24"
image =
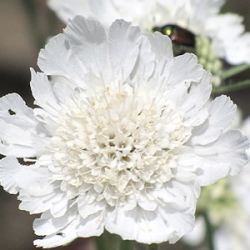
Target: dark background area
column 24, row 30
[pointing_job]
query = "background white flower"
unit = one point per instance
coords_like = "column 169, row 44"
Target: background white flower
column 234, row 234
column 122, row 137
column 228, row 206
column 198, row 234
column 241, row 185
column 202, row 17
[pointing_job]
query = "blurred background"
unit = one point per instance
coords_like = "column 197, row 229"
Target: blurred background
column 24, row 28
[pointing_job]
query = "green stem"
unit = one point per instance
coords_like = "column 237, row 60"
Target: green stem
column 100, row 244
column 232, row 87
column 140, row 246
column 234, row 71
column 153, row 247
column 210, row 232
column 125, row 245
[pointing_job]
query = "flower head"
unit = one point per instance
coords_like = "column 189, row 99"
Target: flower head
column 122, row 137
column 225, row 32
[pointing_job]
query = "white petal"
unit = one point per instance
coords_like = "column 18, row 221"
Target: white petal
column 43, row 92
column 81, row 31
column 92, row 225
column 145, row 65
column 59, row 231
column 124, row 41
column 87, row 205
column 16, row 141
column 58, row 59
column 161, row 46
column 88, row 41
column 18, row 127
column 191, row 97
column 63, row 89
column 47, row 224
column 146, row 201
column 15, row 177
column 143, row 226
column 178, row 196
column 183, row 69
column 55, row 201
column 193, row 104
column 222, row 111
column 68, row 10
column 36, row 192
column 98, row 9
column 150, row 69
column 180, row 73
column 16, row 104
column 225, row 156
column 58, row 239
column 62, row 230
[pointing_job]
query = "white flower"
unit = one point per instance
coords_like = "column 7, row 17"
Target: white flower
column 122, row 137
column 198, row 234
column 234, row 234
column 202, row 17
column 240, row 185
column 233, row 231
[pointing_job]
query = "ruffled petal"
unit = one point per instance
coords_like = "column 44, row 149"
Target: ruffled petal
column 43, row 92
column 183, row 69
column 59, row 231
column 123, row 46
column 107, row 58
column 161, row 46
column 225, row 156
column 62, row 230
column 18, row 127
column 52, row 94
column 36, row 193
column 178, row 195
column 194, row 101
column 143, row 226
column 222, row 112
column 15, row 177
column 192, row 96
column 58, row 59
column 91, row 226
column 87, row 205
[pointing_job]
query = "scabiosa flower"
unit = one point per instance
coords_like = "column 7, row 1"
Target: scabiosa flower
column 202, row 17
column 122, row 137
column 218, row 36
